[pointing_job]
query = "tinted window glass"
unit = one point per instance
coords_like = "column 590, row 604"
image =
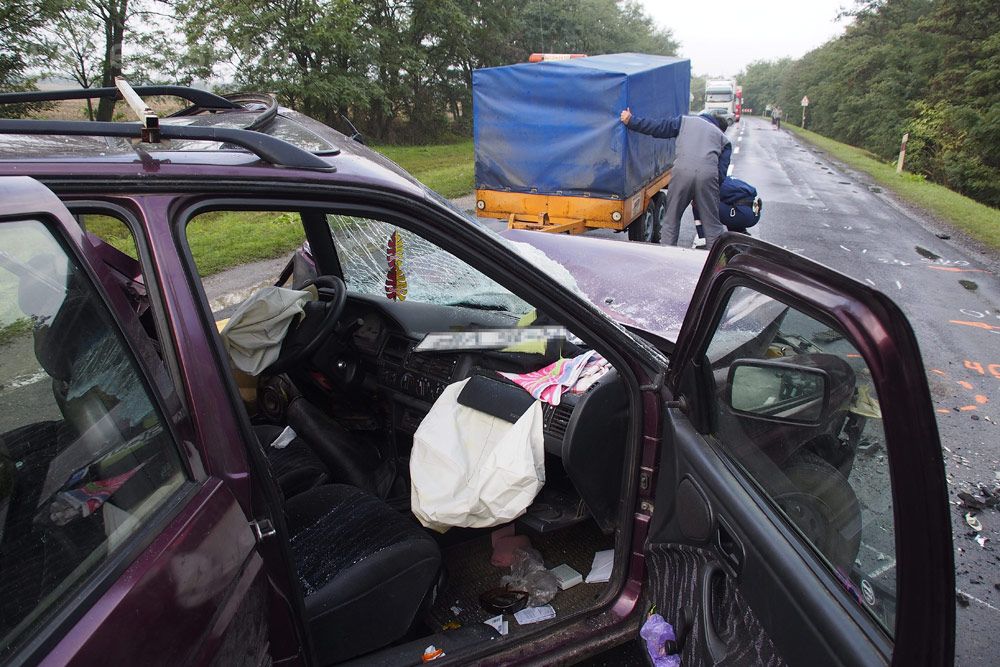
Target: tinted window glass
column 84, row 454
column 796, row 408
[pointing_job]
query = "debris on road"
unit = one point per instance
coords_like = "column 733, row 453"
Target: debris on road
column 973, row 522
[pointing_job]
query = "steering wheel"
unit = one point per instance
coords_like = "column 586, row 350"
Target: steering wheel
column 317, row 324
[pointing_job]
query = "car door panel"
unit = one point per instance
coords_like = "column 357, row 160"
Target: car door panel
column 191, row 570
column 772, row 586
column 188, row 586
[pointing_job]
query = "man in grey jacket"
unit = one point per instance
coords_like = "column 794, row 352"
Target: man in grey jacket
column 700, row 165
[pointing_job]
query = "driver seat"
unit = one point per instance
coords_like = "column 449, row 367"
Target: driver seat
column 365, row 570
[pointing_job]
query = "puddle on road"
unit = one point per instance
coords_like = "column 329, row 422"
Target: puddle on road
column 969, row 285
column 924, row 252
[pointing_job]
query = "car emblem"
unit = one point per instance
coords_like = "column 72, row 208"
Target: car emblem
column 868, row 592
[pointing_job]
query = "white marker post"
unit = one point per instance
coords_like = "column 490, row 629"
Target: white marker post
column 805, row 103
column 902, row 153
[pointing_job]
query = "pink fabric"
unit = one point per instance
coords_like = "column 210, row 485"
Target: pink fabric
column 503, row 549
column 548, row 384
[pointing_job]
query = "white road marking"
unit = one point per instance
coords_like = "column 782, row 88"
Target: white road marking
column 870, row 282
column 973, row 597
column 729, row 172
column 899, row 285
column 25, row 380
column 846, row 248
column 736, row 150
column 864, row 251
column 878, row 572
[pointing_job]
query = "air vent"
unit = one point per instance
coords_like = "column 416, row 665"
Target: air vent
column 557, row 421
column 435, row 366
column 396, row 348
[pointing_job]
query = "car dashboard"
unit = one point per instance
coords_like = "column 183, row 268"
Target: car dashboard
column 584, row 436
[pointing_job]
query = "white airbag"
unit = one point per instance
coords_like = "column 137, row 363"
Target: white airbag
column 473, row 470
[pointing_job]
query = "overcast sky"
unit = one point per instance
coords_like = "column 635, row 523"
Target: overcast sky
column 723, row 36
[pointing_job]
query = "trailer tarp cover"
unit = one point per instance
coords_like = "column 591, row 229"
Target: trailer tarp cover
column 553, row 128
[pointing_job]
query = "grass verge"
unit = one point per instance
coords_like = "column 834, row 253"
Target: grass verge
column 979, row 221
column 445, row 168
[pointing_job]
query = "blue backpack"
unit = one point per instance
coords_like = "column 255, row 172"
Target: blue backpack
column 739, row 205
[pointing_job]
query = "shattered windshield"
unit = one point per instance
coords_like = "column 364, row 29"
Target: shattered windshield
column 381, row 259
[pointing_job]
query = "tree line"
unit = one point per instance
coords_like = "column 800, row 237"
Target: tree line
column 401, row 70
column 930, row 68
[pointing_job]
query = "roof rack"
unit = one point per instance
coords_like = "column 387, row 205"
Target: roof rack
column 148, row 130
column 268, row 148
column 202, row 98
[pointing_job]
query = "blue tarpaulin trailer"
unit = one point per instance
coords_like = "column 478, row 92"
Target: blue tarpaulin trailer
column 551, row 152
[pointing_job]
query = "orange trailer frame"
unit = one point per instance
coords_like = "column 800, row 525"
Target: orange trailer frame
column 563, row 214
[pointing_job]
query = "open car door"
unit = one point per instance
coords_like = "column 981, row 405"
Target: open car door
column 801, row 501
column 116, row 544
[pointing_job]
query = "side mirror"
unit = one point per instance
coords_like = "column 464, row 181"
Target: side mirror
column 360, row 138
column 778, row 391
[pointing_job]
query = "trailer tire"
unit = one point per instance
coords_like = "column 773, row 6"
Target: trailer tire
column 646, row 227
column 659, row 205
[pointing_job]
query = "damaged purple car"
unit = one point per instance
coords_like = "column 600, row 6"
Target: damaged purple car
column 411, row 438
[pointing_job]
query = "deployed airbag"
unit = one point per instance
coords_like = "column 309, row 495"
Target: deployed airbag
column 254, row 333
column 474, row 470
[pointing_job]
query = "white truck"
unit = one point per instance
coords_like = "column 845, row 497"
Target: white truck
column 720, row 97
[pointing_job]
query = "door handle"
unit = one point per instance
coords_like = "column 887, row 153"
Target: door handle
column 716, row 648
column 729, row 546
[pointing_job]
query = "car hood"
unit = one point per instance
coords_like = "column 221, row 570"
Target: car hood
column 640, row 285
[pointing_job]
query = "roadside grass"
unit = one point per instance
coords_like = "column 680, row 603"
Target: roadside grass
column 19, row 327
column 445, row 168
column 979, row 221
column 223, row 239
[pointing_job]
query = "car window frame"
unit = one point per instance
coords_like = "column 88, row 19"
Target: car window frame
column 124, row 210
column 65, row 614
column 835, row 299
column 746, row 476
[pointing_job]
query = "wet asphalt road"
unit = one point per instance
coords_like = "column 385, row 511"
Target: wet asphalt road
column 949, row 290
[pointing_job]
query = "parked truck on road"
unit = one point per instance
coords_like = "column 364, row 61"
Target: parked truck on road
column 550, row 151
column 720, row 98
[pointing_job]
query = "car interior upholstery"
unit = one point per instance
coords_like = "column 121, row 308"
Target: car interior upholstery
column 354, row 401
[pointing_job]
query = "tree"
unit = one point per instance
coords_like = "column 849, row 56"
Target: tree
column 19, row 23
column 402, row 69
column 95, row 41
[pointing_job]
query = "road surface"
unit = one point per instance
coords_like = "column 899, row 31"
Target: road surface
column 949, row 290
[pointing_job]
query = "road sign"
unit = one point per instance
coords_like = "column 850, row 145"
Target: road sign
column 805, row 101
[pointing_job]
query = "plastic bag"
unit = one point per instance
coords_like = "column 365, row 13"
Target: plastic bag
column 528, row 574
column 657, row 632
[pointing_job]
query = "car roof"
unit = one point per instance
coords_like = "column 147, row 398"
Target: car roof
column 252, row 114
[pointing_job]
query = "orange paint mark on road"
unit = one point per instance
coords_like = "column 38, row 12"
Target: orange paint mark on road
column 943, row 411
column 934, row 370
column 853, row 356
column 977, row 325
column 982, row 400
column 952, row 269
column 963, row 383
column 966, row 408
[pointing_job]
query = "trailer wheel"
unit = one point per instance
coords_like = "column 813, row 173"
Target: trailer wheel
column 646, row 227
column 659, row 206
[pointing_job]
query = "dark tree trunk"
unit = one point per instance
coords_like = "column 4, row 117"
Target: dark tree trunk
column 114, row 37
